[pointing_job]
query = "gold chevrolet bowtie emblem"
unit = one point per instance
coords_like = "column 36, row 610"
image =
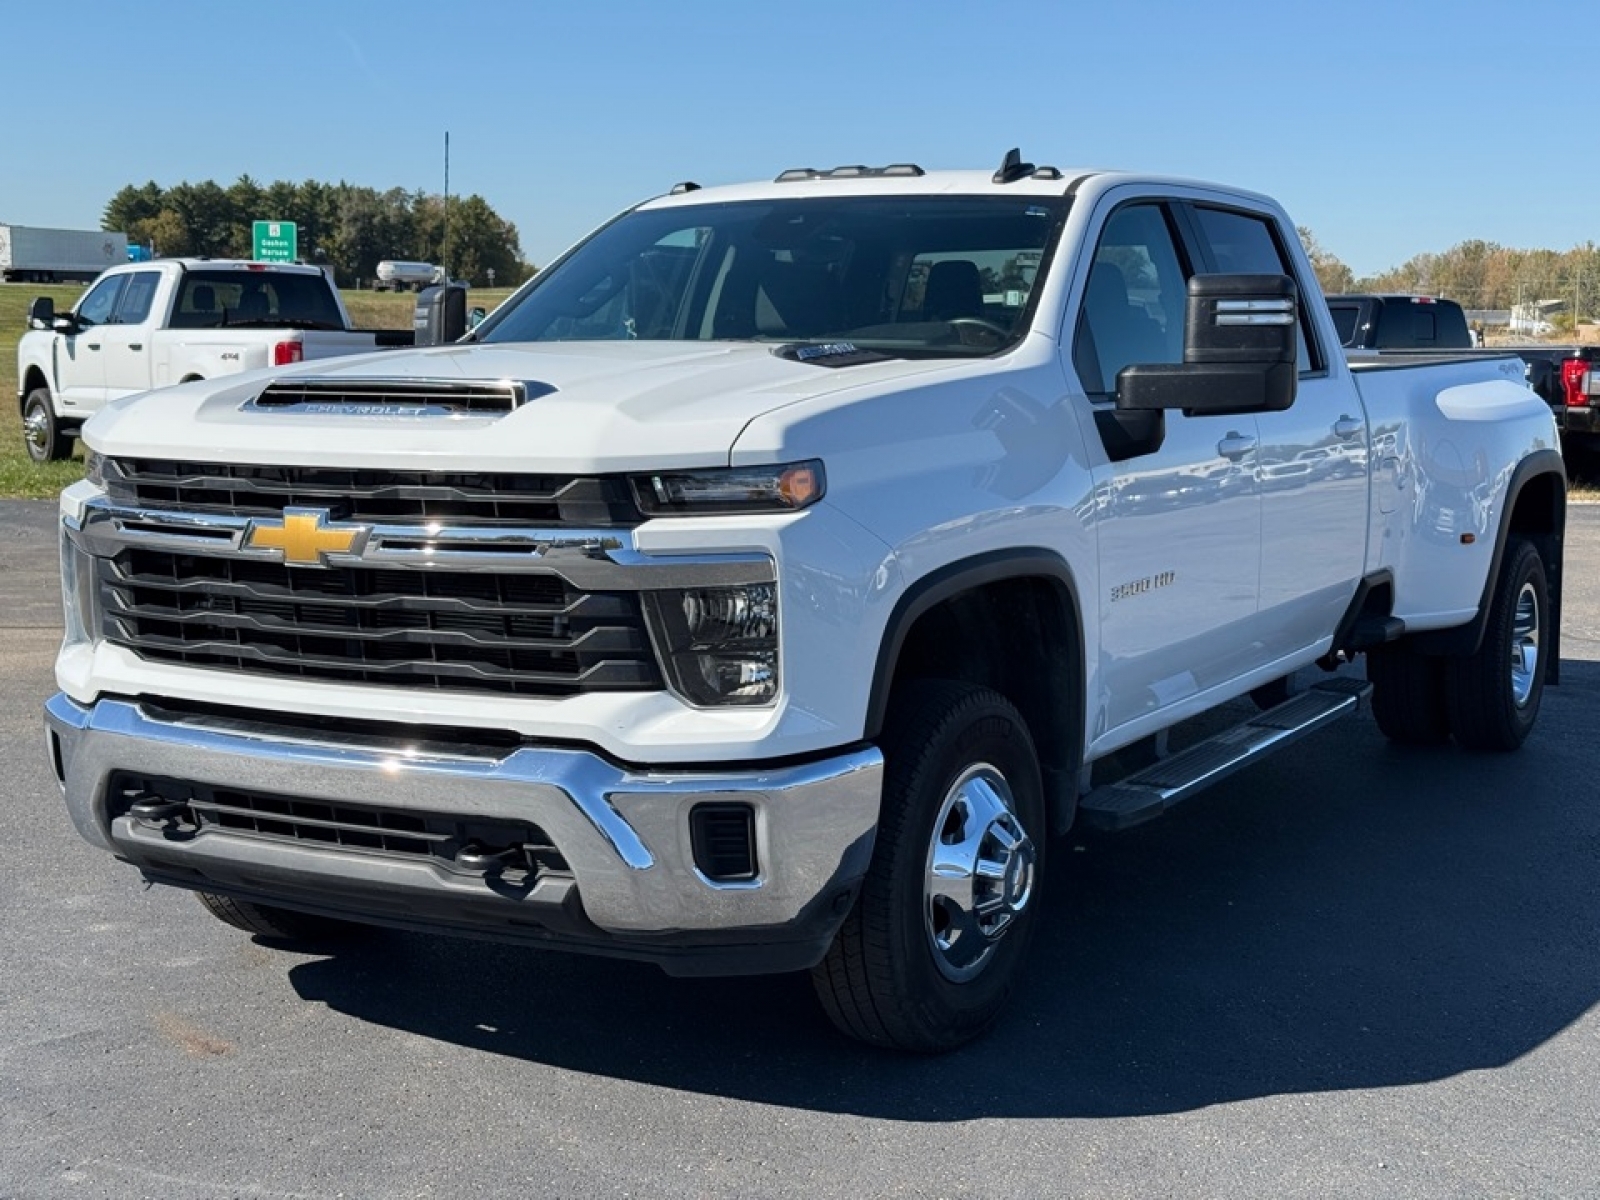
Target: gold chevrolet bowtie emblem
column 305, row 537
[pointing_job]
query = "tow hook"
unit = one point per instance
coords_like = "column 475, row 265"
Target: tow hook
column 153, row 812
column 473, row 857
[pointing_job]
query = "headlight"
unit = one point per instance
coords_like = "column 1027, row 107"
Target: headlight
column 719, row 645
column 78, row 585
column 784, row 488
column 94, row 467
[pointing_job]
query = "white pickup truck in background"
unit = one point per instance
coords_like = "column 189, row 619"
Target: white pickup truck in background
column 761, row 587
column 145, row 325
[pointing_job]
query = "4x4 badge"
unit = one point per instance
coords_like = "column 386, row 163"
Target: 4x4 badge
column 305, row 537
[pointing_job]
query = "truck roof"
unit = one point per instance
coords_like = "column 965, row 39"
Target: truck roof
column 1011, row 179
column 217, row 264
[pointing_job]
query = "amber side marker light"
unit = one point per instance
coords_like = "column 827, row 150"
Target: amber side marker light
column 800, row 485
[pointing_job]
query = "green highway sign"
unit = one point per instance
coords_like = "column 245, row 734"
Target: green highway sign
column 275, row 241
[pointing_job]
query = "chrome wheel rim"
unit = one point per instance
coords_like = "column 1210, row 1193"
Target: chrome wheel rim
column 1525, row 645
column 980, row 872
column 36, row 431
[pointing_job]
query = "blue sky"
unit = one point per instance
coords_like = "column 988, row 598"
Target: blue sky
column 1388, row 128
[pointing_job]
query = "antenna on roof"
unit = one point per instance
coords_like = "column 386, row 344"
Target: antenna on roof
column 1012, row 168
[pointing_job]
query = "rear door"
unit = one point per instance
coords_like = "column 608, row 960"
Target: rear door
column 125, row 340
column 1313, row 457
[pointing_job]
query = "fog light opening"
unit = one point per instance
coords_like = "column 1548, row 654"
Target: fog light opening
column 723, row 839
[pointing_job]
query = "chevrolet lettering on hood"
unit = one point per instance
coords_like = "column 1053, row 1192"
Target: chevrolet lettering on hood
column 305, row 538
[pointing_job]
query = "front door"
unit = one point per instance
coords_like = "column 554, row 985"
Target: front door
column 1179, row 526
column 80, row 360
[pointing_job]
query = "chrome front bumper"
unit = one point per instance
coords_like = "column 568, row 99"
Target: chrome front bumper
column 634, row 889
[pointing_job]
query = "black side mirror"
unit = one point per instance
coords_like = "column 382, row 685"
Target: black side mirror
column 1240, row 345
column 440, row 315
column 41, row 313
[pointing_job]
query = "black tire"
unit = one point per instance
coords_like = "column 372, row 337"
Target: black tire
column 275, row 924
column 42, row 434
column 911, row 969
column 1408, row 696
column 1494, row 694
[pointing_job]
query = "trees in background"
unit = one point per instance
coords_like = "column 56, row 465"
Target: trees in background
column 1479, row 274
column 1485, row 275
column 1332, row 274
column 351, row 228
column 355, row 228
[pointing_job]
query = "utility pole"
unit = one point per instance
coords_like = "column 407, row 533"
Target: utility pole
column 444, row 251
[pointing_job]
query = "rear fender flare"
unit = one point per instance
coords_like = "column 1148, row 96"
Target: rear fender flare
column 1466, row 639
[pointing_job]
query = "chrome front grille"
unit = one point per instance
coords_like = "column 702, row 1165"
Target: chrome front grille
column 402, row 579
column 468, row 498
column 517, row 634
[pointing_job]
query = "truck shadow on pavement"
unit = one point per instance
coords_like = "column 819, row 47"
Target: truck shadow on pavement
column 1347, row 915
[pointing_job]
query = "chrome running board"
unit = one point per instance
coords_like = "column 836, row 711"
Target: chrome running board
column 1148, row 793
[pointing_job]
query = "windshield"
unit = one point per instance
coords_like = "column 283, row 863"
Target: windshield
column 904, row 275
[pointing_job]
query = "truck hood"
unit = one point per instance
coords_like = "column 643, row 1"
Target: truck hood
column 595, row 406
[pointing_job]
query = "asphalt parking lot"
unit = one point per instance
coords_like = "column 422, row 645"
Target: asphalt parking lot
column 1350, row 971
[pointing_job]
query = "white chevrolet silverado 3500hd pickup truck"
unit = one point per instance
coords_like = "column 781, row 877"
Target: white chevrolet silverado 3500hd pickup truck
column 763, row 585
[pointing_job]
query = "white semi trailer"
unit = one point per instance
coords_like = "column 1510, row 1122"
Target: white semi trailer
column 33, row 255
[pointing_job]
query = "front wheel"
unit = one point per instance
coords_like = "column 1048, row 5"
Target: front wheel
column 936, row 942
column 42, row 434
column 1494, row 694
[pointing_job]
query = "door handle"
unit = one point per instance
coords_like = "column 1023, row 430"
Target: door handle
column 1236, row 445
column 92, row 345
column 1348, row 427
column 135, row 345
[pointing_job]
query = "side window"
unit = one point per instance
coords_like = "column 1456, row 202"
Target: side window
column 1244, row 244
column 1133, row 307
column 97, row 304
column 1345, row 317
column 137, row 297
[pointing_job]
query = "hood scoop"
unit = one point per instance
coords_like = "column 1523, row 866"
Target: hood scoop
column 828, row 354
column 355, row 396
